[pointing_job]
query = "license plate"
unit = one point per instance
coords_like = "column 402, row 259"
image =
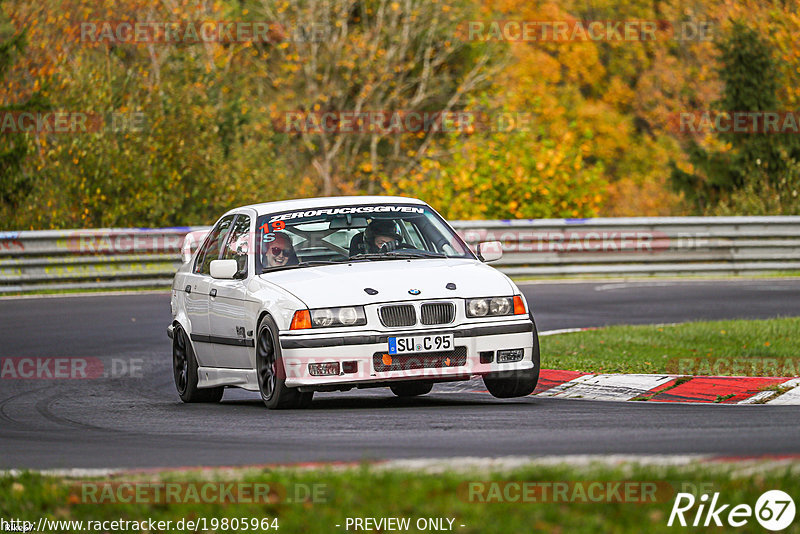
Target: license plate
column 411, row 344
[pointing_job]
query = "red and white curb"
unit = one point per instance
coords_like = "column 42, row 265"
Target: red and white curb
column 668, row 388
column 665, row 388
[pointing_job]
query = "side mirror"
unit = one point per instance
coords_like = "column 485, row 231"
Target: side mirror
column 224, row 269
column 490, row 251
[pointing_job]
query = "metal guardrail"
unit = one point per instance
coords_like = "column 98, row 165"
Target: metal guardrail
column 115, row 258
column 642, row 246
column 637, row 246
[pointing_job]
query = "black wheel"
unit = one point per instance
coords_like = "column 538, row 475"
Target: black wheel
column 411, row 389
column 271, row 373
column 508, row 384
column 184, row 370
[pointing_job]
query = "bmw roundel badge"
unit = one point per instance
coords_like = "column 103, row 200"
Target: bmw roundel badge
column 414, row 291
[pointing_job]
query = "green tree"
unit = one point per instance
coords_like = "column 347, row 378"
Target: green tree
column 14, row 183
column 754, row 162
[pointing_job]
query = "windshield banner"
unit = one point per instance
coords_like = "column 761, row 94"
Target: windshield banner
column 347, row 210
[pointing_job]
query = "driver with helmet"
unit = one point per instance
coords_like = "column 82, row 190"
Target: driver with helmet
column 381, row 235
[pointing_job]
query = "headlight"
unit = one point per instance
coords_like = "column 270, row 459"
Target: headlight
column 495, row 307
column 348, row 316
column 477, row 307
column 322, row 317
column 345, row 316
column 500, row 306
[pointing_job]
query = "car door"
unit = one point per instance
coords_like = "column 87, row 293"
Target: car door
column 197, row 292
column 231, row 328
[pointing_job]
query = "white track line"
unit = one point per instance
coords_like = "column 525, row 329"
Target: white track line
column 746, row 466
column 66, row 473
column 615, row 387
column 556, row 391
column 563, row 331
column 761, row 395
column 790, row 397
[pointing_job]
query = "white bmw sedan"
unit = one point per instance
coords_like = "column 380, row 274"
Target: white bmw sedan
column 329, row 294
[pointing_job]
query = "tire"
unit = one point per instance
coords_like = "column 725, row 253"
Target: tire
column 411, row 389
column 184, row 371
column 509, row 384
column 271, row 373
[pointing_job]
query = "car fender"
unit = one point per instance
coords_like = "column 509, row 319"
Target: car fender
column 182, row 320
column 178, row 306
column 267, row 297
column 178, row 301
column 516, row 291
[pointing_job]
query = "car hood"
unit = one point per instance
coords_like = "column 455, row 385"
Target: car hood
column 344, row 285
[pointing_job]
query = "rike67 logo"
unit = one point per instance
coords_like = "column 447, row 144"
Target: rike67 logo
column 774, row 511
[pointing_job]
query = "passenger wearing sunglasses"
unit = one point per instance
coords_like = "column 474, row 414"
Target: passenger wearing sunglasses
column 279, row 251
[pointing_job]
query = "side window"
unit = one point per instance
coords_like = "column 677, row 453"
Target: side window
column 412, row 236
column 443, row 239
column 238, row 245
column 211, row 247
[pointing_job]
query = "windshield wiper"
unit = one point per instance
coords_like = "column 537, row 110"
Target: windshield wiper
column 312, row 263
column 398, row 255
column 416, row 254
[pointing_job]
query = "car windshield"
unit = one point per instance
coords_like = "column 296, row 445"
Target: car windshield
column 337, row 234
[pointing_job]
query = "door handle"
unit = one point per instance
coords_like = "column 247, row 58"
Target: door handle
column 213, row 293
column 188, row 289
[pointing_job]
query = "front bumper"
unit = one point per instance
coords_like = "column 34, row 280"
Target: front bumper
column 364, row 352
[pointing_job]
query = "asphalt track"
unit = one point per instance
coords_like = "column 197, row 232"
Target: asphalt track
column 137, row 420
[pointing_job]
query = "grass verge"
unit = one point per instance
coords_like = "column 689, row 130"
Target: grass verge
column 722, row 348
column 376, row 492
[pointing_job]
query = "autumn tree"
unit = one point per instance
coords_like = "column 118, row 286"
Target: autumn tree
column 755, row 162
column 15, row 185
column 368, row 56
column 599, row 142
column 198, row 150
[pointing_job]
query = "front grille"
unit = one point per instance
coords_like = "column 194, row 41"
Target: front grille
column 402, row 315
column 438, row 313
column 424, row 360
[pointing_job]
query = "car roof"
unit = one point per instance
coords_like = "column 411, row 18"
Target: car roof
column 323, row 202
